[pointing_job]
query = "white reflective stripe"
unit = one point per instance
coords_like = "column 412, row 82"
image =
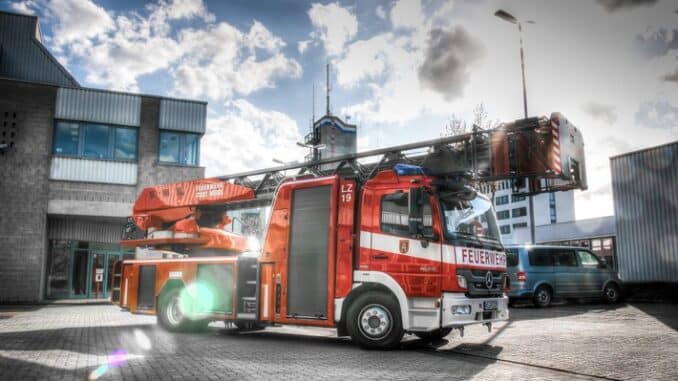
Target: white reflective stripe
column 265, row 301
column 448, row 255
column 478, row 258
column 391, row 244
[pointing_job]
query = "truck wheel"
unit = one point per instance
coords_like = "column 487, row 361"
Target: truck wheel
column 374, row 321
column 434, row 335
column 169, row 313
column 611, row 293
column 542, row 297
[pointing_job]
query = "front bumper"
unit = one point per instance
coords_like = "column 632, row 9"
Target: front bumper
column 477, row 313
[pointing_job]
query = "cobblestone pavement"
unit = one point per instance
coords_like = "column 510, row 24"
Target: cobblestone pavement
column 58, row 342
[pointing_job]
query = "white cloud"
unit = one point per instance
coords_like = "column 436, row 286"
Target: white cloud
column 334, row 25
column 247, row 137
column 76, row 20
column 407, row 14
column 380, row 12
column 26, row 7
column 207, row 59
column 302, row 46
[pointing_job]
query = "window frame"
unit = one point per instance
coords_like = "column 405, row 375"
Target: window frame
column 581, row 262
column 182, row 148
column 508, row 229
column 112, row 140
column 407, row 231
column 515, row 215
column 501, row 213
column 501, row 200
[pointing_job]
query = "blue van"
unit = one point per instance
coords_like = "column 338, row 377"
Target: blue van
column 541, row 273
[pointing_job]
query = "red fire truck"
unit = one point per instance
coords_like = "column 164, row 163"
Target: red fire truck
column 400, row 244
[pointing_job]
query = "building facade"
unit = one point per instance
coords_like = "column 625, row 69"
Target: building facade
column 72, row 162
column 513, row 212
column 645, row 193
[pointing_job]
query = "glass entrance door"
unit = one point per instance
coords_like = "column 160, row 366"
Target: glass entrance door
column 101, row 263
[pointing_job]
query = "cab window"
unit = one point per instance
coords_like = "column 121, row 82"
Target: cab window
column 394, row 215
column 587, row 259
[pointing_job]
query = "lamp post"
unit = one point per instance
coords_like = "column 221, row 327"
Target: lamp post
column 502, row 14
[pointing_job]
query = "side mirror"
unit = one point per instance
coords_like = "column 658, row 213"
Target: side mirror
column 415, row 215
column 603, row 263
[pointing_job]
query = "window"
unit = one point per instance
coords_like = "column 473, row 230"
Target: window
column 519, row 212
column 503, row 215
column 95, row 141
column 552, row 207
column 512, row 257
column 595, row 245
column 607, row 244
column 501, row 200
column 505, row 229
column 178, row 148
column 520, row 225
column 394, row 214
column 565, row 258
column 587, row 259
column 66, row 137
column 517, row 198
column 541, row 257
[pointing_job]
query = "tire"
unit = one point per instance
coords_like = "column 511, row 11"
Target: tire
column 611, row 293
column 172, row 318
column 543, row 296
column 435, row 335
column 374, row 322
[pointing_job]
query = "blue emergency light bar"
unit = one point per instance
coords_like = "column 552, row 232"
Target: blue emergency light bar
column 409, row 170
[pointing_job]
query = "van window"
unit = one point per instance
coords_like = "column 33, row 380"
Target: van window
column 587, row 259
column 565, row 258
column 512, row 257
column 541, row 257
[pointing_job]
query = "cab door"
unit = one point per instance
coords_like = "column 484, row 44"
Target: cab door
column 414, row 262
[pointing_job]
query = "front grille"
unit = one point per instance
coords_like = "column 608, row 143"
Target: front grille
column 477, row 272
column 477, row 288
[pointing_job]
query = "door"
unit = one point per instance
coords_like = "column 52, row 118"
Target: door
column 592, row 276
column 97, row 275
column 567, row 271
column 308, row 252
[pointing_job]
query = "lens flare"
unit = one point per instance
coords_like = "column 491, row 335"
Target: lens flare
column 117, row 357
column 98, row 372
column 142, row 340
column 196, row 299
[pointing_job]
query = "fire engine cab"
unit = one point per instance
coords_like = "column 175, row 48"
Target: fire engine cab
column 402, row 245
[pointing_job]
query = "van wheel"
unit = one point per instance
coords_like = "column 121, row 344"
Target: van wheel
column 374, row 321
column 543, row 296
column 611, row 293
column 435, row 335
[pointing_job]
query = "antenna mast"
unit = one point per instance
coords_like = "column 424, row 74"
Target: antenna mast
column 327, row 85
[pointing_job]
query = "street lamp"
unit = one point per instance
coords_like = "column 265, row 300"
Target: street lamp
column 502, row 14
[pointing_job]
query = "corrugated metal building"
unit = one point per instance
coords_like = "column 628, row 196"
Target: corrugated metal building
column 645, row 191
column 73, row 162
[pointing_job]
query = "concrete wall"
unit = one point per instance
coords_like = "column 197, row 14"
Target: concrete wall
column 24, row 190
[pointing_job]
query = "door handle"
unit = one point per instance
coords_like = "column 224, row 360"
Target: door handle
column 380, row 256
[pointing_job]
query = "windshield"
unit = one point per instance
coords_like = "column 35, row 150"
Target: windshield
column 469, row 220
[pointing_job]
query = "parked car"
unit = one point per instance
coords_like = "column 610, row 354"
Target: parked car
column 541, row 273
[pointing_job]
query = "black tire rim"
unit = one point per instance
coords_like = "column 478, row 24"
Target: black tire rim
column 611, row 293
column 543, row 297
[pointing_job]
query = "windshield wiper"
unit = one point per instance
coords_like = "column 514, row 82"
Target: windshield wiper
column 476, row 240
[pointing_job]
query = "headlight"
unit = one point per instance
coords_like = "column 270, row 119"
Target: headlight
column 461, row 310
column 461, row 281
